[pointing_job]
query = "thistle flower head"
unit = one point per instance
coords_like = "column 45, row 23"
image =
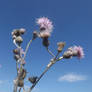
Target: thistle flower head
column 22, row 30
column 45, row 26
column 78, row 50
column 74, row 51
column 60, row 46
column 44, row 34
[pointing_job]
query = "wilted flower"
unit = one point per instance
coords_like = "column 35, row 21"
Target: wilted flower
column 45, row 26
column 78, row 51
column 60, row 46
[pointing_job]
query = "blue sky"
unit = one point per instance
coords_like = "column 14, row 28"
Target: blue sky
column 72, row 20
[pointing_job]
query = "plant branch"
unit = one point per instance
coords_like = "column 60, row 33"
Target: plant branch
column 27, row 47
column 47, row 68
column 19, row 89
column 50, row 52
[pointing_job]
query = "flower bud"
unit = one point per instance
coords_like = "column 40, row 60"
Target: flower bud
column 32, row 79
column 16, row 51
column 22, row 31
column 35, row 35
column 22, row 74
column 20, row 83
column 16, row 32
column 19, row 40
column 16, row 57
column 45, row 42
column 60, row 46
column 67, row 54
column 14, row 36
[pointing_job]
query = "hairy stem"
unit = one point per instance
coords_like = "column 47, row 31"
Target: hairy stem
column 27, row 47
column 47, row 68
column 50, row 52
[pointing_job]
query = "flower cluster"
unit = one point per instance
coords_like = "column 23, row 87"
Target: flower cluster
column 46, row 27
column 17, row 39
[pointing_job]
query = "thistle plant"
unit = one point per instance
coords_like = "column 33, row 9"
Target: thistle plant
column 45, row 29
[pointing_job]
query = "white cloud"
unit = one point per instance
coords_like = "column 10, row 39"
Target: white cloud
column 4, row 82
column 71, row 77
column 1, row 82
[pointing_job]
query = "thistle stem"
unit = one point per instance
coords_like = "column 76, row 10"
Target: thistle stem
column 27, row 47
column 47, row 68
column 50, row 52
column 19, row 89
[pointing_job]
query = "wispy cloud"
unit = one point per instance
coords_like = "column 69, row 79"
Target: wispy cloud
column 71, row 77
column 1, row 82
column 4, row 82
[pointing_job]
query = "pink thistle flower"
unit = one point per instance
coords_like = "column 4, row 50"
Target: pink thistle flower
column 45, row 26
column 78, row 50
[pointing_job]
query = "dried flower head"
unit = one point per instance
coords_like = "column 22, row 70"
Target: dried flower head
column 16, row 51
column 45, row 26
column 18, row 32
column 19, row 40
column 22, row 31
column 20, row 83
column 33, row 79
column 60, row 46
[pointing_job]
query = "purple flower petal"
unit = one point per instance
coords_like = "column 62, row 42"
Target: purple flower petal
column 45, row 26
column 79, row 50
